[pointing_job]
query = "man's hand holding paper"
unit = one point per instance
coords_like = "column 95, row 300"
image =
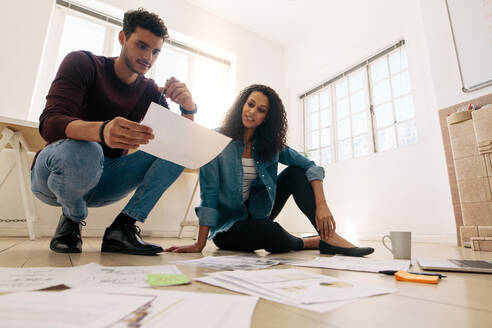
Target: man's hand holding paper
column 180, row 140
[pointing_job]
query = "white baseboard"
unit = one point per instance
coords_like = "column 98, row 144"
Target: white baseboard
column 21, row 231
column 92, row 232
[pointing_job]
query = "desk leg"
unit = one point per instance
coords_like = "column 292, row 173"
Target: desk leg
column 22, row 173
column 30, row 196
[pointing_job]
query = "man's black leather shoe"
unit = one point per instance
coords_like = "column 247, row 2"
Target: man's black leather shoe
column 67, row 236
column 325, row 248
column 125, row 238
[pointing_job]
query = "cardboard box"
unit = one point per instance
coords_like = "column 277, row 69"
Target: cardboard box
column 481, row 243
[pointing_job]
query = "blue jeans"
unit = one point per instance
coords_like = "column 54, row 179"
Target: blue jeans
column 75, row 175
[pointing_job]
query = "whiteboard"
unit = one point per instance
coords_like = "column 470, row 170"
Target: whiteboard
column 471, row 24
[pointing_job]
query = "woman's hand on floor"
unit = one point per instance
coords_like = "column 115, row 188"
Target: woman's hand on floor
column 325, row 222
column 194, row 248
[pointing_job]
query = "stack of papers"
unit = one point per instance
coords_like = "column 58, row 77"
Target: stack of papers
column 309, row 291
column 356, row 264
column 237, row 262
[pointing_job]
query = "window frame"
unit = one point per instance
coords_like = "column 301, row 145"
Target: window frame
column 369, row 110
column 193, row 50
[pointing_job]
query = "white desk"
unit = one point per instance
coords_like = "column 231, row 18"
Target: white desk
column 22, row 136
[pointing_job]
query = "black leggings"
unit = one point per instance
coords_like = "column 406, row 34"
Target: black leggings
column 252, row 234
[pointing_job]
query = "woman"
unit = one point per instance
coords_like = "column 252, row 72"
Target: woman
column 242, row 194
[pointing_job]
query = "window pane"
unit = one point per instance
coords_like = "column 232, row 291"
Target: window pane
column 358, row 102
column 325, row 137
column 325, row 118
column 356, row 81
column 314, row 156
column 171, row 63
column 404, row 60
column 341, row 89
column 115, row 52
column 314, row 140
column 361, row 146
column 345, row 149
column 313, row 121
column 359, row 123
column 404, row 108
column 384, row 115
column 343, row 109
column 407, row 133
column 313, row 103
column 396, row 62
column 208, row 77
column 79, row 34
column 401, row 84
column 386, row 139
column 343, row 129
column 326, row 156
column 381, row 92
column 379, row 70
column 324, row 99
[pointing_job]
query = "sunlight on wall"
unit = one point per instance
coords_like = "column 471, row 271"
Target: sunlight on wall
column 349, row 233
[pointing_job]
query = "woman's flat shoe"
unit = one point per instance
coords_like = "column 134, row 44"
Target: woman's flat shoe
column 325, row 248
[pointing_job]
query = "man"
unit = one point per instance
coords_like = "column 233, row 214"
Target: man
column 90, row 121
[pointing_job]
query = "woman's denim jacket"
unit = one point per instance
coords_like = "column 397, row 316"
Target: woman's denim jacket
column 221, row 185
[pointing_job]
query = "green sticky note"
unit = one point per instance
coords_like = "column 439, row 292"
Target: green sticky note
column 159, row 279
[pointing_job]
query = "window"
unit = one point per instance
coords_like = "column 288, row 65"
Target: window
column 367, row 110
column 72, row 30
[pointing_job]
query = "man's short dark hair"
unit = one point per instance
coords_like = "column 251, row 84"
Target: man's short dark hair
column 144, row 19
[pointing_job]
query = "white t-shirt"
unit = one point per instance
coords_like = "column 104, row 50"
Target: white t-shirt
column 249, row 175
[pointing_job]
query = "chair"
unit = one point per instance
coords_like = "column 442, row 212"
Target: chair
column 190, row 222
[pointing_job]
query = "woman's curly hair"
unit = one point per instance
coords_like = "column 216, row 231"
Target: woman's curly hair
column 270, row 136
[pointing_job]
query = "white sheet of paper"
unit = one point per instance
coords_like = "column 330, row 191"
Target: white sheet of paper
column 234, row 262
column 61, row 310
column 356, row 263
column 183, row 309
column 26, row 279
column 180, row 140
column 123, row 276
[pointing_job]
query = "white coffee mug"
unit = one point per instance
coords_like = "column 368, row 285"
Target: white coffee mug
column 401, row 244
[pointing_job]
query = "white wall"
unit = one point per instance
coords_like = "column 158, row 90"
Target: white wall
column 405, row 188
column 257, row 60
column 401, row 189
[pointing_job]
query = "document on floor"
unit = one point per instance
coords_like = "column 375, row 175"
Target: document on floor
column 356, row 263
column 181, row 309
column 123, row 276
column 26, row 279
column 180, row 140
column 63, row 310
column 306, row 290
column 237, row 262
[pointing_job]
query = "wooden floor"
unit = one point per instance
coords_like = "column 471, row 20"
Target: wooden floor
column 460, row 300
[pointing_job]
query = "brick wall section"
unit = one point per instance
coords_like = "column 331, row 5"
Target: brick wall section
column 443, row 114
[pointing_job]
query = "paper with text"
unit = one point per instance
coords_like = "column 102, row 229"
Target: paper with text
column 356, row 263
column 63, row 310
